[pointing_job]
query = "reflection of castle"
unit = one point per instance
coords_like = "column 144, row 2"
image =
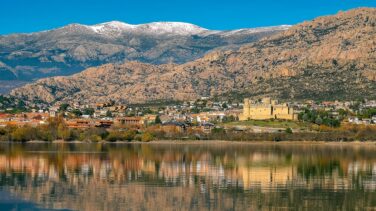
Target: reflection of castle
column 156, row 178
column 267, row 109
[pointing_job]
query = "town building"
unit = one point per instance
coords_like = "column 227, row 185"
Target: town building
column 130, row 121
column 266, row 109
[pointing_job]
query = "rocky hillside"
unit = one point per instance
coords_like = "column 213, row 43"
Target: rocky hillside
column 331, row 57
column 75, row 47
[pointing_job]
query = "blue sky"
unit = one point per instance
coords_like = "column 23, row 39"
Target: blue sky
column 35, row 15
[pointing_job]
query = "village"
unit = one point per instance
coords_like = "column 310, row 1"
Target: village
column 203, row 114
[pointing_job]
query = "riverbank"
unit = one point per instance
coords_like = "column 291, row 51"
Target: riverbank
column 158, row 132
column 211, row 142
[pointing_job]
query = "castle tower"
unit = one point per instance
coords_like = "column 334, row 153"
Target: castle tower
column 246, row 108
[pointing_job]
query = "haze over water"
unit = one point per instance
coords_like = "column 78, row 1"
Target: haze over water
column 207, row 176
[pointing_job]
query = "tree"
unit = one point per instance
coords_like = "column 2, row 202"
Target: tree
column 77, row 113
column 230, row 118
column 147, row 137
column 53, row 124
column 114, row 136
column 63, row 107
column 218, row 130
column 63, row 132
column 318, row 120
column 129, row 135
column 23, row 134
column 288, row 130
column 305, row 117
column 88, row 111
column 343, row 112
column 195, row 110
column 108, row 114
column 158, row 120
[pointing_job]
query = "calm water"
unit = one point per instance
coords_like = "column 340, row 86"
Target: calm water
column 209, row 176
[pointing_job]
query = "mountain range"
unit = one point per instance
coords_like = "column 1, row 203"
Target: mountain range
column 331, row 57
column 73, row 48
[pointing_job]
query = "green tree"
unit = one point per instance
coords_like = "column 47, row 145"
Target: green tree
column 158, row 120
column 318, row 120
column 77, row 113
column 88, row 111
column 218, row 130
column 288, row 130
column 63, row 107
column 108, row 114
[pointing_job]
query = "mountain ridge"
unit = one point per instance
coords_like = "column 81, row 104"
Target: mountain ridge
column 75, row 47
column 331, row 57
column 127, row 26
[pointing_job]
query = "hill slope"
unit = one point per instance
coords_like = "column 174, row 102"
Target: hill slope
column 331, row 57
column 75, row 47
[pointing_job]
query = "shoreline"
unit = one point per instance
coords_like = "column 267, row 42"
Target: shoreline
column 206, row 142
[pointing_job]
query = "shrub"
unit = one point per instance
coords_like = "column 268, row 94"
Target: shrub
column 101, row 132
column 114, row 136
column 23, row 134
column 129, row 135
column 218, row 130
column 146, row 137
column 138, row 137
column 288, row 130
column 45, row 135
column 95, row 138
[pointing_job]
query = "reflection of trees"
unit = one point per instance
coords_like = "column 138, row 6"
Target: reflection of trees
column 319, row 169
column 213, row 177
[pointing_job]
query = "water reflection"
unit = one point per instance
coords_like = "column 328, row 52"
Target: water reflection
column 190, row 176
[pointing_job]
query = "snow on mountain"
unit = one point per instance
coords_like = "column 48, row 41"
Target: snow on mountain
column 117, row 28
column 254, row 30
column 113, row 25
column 74, row 47
column 174, row 28
column 177, row 28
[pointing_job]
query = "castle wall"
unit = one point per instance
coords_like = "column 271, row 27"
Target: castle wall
column 267, row 110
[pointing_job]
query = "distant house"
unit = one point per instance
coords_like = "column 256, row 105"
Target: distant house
column 149, row 119
column 129, row 121
column 207, row 127
column 356, row 120
column 5, row 117
column 173, row 124
column 79, row 123
column 104, row 123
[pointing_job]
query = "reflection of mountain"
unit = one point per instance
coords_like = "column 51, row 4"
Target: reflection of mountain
column 186, row 177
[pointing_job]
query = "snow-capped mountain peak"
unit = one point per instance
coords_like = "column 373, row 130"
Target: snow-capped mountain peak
column 172, row 28
column 117, row 27
column 113, row 26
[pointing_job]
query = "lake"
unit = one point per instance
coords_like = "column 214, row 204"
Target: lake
column 191, row 176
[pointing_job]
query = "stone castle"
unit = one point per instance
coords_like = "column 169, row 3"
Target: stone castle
column 266, row 109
